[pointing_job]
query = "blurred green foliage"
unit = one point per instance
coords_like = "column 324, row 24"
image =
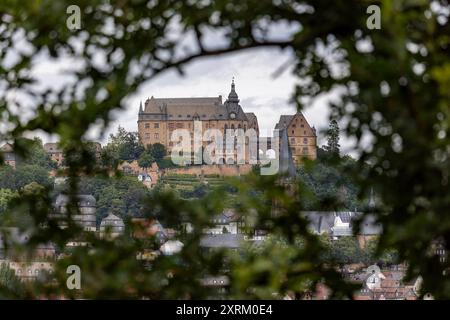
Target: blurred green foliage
column 393, row 86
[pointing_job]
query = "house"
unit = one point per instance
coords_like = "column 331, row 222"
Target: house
column 9, row 157
column 148, row 176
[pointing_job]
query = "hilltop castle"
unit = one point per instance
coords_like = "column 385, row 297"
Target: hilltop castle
column 159, row 117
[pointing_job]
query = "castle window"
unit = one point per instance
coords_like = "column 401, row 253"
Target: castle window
column 302, row 125
column 305, row 150
column 305, row 140
column 147, row 125
column 156, row 136
column 304, row 132
column 188, row 115
column 179, row 116
column 292, row 140
column 156, row 125
column 147, row 135
column 180, row 125
column 292, row 131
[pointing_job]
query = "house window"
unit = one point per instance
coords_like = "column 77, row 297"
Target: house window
column 156, row 125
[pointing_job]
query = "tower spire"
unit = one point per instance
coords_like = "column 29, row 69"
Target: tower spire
column 233, row 97
column 140, row 108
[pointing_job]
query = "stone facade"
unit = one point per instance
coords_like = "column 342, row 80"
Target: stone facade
column 302, row 137
column 87, row 206
column 161, row 116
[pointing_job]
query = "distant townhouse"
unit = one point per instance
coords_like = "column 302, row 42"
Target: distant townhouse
column 57, row 154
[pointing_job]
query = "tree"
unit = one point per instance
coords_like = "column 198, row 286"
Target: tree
column 333, row 138
column 158, row 151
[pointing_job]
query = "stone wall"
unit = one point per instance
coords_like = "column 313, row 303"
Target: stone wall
column 221, row 170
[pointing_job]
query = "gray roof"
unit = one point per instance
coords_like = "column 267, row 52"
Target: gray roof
column 369, row 226
column 284, row 121
column 342, row 231
column 112, row 221
column 345, row 216
column 226, row 240
column 205, row 108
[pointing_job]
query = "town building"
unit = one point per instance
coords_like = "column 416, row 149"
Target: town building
column 57, row 154
column 9, row 157
column 159, row 117
column 87, row 206
column 302, row 137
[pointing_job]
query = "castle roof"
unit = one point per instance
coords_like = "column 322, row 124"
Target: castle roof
column 202, row 108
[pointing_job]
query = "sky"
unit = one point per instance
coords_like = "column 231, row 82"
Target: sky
column 259, row 90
